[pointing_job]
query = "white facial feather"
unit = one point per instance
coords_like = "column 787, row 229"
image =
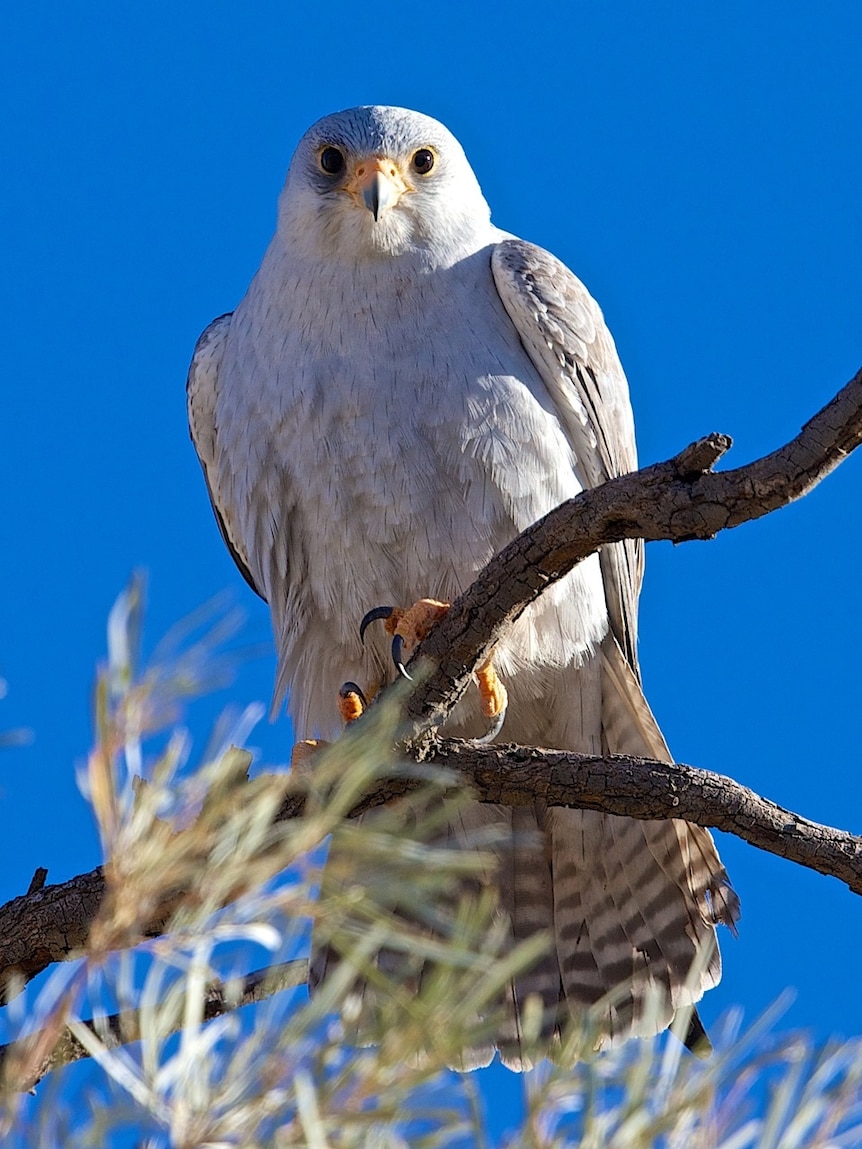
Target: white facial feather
column 439, row 217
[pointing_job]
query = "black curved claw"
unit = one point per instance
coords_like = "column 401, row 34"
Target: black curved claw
column 398, row 656
column 351, row 688
column 372, row 616
column 493, row 730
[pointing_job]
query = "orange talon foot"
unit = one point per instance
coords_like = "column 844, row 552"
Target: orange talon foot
column 407, row 627
column 491, row 690
column 303, row 752
column 494, row 700
column 415, row 623
column 351, row 702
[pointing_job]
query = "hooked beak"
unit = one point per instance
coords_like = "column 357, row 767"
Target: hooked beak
column 376, row 184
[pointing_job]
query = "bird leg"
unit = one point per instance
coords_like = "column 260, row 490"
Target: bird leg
column 410, row 626
column 494, row 699
column 351, row 704
column 303, row 752
column 406, row 626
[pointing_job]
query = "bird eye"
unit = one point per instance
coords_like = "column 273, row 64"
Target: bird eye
column 332, row 161
column 423, row 161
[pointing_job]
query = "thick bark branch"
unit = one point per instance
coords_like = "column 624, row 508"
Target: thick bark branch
column 643, row 788
column 46, row 925
column 677, row 500
column 647, row 789
column 509, row 776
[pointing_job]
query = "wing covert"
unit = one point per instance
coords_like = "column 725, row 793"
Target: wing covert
column 201, row 394
column 565, row 335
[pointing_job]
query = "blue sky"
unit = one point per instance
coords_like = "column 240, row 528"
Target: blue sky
column 697, row 165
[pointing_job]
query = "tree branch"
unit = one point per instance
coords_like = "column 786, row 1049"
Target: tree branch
column 46, row 925
column 677, row 500
column 504, row 775
column 647, row 789
column 509, row 776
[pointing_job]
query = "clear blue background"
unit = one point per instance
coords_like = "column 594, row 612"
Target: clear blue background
column 698, row 165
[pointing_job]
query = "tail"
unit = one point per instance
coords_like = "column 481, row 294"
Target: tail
column 630, row 906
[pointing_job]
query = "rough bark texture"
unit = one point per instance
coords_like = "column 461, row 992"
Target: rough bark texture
column 47, row 925
column 678, row 501
column 642, row 788
column 509, row 775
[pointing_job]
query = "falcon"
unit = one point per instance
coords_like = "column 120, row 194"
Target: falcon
column 403, row 389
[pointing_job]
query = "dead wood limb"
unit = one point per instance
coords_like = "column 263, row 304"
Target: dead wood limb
column 519, row 776
column 679, row 500
column 46, row 925
column 37, row 882
column 510, row 776
column 647, row 789
column 644, row 788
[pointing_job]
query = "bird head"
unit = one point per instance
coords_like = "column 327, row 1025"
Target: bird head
column 381, row 182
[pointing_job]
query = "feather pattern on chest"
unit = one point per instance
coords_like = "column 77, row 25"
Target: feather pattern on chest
column 395, row 436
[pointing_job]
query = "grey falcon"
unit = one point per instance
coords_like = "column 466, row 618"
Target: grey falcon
column 402, row 390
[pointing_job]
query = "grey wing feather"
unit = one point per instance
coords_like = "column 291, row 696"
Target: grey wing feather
column 201, row 394
column 564, row 333
column 620, row 887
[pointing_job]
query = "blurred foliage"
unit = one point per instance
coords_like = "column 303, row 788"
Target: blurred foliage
column 196, row 846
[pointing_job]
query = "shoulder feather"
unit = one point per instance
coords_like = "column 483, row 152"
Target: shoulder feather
column 201, row 392
column 565, row 335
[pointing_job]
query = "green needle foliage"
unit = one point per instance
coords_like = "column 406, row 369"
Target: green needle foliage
column 206, row 884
